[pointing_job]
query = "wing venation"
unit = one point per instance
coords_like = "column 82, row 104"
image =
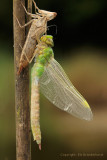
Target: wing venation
column 57, row 88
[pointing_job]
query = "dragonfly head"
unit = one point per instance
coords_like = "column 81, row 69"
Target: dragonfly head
column 48, row 39
column 49, row 15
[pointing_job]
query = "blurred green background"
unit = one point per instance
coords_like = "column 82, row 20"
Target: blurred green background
column 81, row 48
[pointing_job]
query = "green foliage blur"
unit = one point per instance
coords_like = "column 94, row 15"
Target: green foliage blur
column 81, row 48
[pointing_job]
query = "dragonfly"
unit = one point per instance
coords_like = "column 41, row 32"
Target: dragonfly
column 48, row 76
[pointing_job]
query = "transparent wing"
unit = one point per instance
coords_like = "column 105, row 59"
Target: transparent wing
column 58, row 89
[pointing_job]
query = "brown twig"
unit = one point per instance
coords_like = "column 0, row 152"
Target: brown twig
column 22, row 109
column 29, row 9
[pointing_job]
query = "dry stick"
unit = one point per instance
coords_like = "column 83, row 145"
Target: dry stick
column 29, row 9
column 22, row 109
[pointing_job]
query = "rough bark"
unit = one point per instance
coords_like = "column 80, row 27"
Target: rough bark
column 22, row 109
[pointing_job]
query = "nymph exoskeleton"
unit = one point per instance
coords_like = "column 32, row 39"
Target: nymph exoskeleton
column 37, row 29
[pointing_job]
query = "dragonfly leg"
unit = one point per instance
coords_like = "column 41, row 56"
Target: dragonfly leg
column 28, row 13
column 27, row 58
column 36, row 7
column 29, row 61
column 22, row 26
column 34, row 54
column 31, row 58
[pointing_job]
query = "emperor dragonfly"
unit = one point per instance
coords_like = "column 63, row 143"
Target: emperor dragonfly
column 55, row 85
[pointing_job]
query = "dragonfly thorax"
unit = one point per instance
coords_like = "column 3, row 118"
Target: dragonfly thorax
column 47, row 39
column 44, row 53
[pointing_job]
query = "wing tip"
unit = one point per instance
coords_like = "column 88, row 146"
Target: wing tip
column 89, row 116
